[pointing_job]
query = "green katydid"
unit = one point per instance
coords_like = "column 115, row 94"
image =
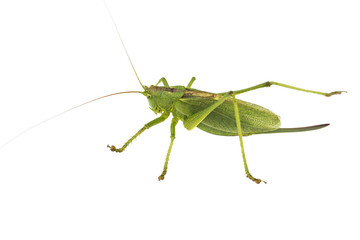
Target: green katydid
column 220, row 114
column 216, row 113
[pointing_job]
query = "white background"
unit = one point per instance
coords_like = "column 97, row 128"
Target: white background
column 59, row 181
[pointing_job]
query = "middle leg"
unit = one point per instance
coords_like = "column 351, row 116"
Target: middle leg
column 174, row 121
column 191, row 82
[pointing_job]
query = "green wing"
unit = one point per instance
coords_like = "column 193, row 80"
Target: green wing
column 221, row 121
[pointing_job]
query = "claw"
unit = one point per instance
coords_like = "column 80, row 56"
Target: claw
column 255, row 179
column 114, row 149
column 162, row 176
column 336, row 92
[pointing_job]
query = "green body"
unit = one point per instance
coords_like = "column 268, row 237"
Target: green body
column 184, row 102
column 220, row 114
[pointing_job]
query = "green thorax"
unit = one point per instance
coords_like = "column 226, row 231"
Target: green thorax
column 162, row 99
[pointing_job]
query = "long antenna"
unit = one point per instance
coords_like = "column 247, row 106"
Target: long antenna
column 57, row 115
column 122, row 42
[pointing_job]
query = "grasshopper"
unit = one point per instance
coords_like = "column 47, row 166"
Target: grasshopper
column 216, row 113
